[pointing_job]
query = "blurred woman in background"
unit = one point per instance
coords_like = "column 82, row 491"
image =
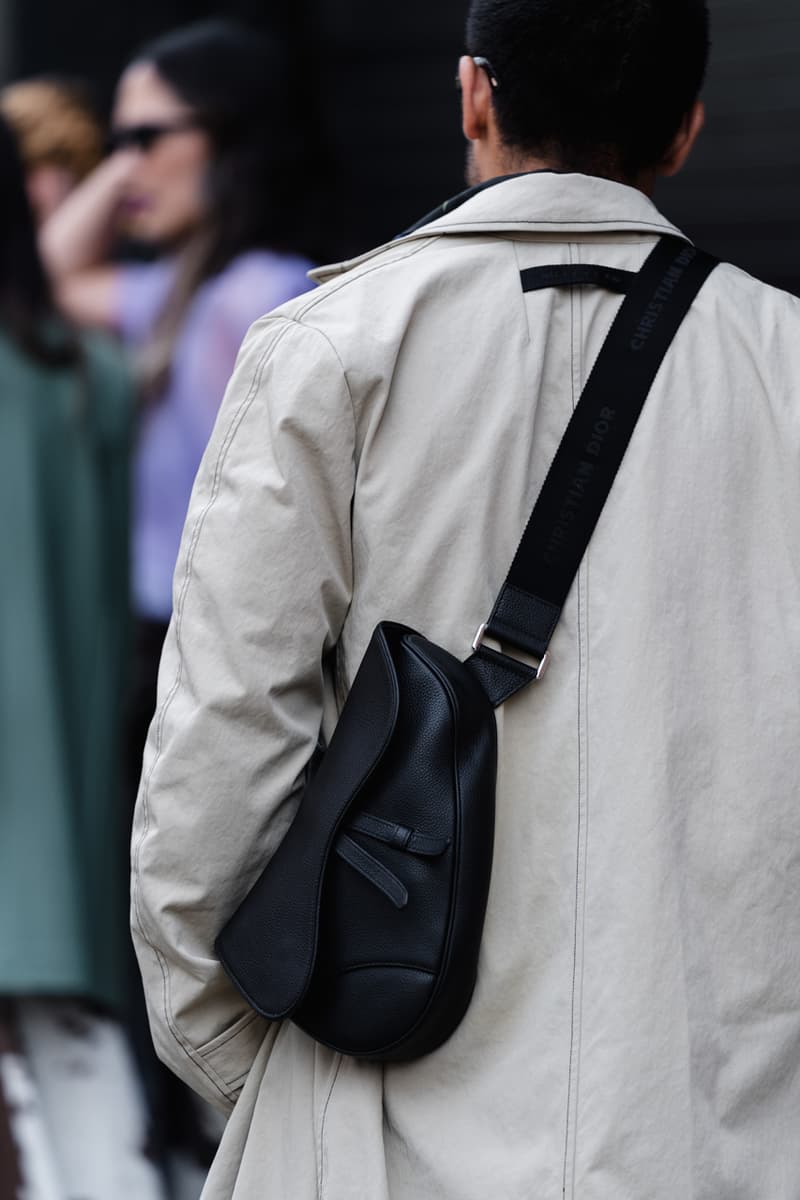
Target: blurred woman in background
column 204, row 170
column 72, row 1119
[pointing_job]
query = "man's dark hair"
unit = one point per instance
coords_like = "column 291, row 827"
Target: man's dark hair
column 600, row 86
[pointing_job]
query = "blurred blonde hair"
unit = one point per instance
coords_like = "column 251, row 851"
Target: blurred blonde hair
column 54, row 125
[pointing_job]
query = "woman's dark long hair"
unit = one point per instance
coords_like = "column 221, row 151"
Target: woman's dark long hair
column 27, row 313
column 238, row 83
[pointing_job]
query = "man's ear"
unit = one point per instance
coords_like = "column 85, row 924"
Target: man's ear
column 476, row 99
column 683, row 142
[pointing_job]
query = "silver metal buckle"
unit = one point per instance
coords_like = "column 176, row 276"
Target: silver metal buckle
column 477, row 641
column 540, row 667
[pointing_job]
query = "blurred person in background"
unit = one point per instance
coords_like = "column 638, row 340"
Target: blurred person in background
column 72, row 1117
column 59, row 136
column 204, row 169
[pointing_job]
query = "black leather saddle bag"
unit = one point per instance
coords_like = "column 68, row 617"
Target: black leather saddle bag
column 365, row 926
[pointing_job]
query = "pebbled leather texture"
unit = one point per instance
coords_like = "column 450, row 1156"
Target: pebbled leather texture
column 365, row 926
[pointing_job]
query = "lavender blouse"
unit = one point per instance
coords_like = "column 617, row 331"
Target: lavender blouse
column 174, row 429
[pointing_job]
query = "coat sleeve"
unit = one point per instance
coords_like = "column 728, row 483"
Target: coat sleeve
column 261, row 589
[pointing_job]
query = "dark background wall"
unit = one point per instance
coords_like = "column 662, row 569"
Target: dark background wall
column 740, row 195
column 377, row 84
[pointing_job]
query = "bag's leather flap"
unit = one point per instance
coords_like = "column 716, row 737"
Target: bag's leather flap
column 269, row 946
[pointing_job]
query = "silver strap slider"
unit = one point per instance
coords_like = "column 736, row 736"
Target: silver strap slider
column 539, row 666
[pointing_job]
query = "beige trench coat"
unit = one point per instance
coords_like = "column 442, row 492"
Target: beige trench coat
column 635, row 1034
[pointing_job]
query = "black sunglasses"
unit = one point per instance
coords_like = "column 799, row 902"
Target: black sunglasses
column 143, row 137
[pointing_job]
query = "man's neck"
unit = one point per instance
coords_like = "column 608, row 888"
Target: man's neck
column 486, row 163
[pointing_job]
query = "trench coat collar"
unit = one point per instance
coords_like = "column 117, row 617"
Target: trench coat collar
column 537, row 202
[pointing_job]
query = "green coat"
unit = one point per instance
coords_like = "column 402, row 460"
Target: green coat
column 64, row 447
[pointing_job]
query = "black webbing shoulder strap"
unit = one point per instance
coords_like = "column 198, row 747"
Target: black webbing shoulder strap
column 576, row 488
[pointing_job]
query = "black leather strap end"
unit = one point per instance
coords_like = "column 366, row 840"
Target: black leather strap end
column 375, row 872
column 500, row 677
column 523, row 620
column 398, row 836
